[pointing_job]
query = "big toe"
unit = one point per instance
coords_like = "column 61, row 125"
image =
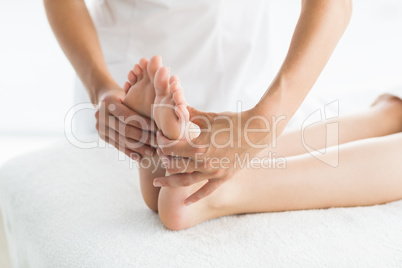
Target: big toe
column 161, row 82
column 154, row 64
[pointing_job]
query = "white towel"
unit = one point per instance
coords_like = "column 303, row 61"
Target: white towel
column 70, row 207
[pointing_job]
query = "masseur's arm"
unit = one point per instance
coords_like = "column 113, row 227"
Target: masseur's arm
column 320, row 26
column 75, row 31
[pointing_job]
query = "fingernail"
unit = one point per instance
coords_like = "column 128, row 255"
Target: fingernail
column 188, row 203
column 149, row 152
column 157, row 183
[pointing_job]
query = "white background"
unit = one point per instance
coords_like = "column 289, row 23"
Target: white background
column 36, row 80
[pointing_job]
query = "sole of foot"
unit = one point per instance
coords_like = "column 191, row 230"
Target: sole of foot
column 170, row 106
column 140, row 92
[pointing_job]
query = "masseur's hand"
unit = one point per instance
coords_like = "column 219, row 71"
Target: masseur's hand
column 116, row 123
column 123, row 128
column 225, row 139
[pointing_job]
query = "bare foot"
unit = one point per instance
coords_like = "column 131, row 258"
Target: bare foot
column 140, row 92
column 230, row 198
column 170, row 106
column 171, row 115
column 140, row 96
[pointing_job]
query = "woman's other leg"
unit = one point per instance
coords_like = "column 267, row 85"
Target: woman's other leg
column 369, row 172
column 384, row 117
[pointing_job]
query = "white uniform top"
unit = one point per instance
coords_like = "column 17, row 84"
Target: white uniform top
column 218, row 48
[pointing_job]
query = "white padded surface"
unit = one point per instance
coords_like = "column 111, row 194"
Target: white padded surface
column 70, row 207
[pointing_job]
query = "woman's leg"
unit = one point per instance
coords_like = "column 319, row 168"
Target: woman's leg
column 369, row 172
column 381, row 119
column 353, row 127
column 305, row 182
column 150, row 168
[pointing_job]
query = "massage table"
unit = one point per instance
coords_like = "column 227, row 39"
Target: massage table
column 65, row 206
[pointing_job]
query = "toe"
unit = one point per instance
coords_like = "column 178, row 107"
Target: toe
column 144, row 65
column 161, row 82
column 175, row 86
column 178, row 94
column 132, row 78
column 154, row 64
column 126, row 86
column 138, row 72
column 182, row 113
column 174, row 78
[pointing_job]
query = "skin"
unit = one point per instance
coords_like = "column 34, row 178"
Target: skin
column 367, row 171
column 295, row 78
column 146, row 78
column 298, row 73
column 356, row 181
column 80, row 43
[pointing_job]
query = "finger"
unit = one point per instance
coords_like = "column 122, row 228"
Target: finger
column 179, row 180
column 202, row 119
column 130, row 117
column 129, row 131
column 134, row 133
column 123, row 142
column 132, row 154
column 204, row 191
column 203, row 122
column 181, row 148
column 177, row 165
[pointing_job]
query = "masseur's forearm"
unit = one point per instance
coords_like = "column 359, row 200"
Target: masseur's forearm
column 75, row 31
column 320, row 26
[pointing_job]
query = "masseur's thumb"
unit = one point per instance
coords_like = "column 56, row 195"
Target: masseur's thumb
column 198, row 117
column 197, row 122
